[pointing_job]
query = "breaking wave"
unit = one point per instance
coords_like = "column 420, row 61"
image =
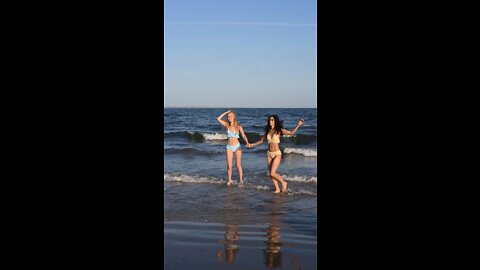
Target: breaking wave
column 300, row 151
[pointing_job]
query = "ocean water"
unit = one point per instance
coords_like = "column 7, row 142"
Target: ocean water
column 195, row 177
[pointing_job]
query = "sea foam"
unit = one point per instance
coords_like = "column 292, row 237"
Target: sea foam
column 216, row 136
column 302, row 179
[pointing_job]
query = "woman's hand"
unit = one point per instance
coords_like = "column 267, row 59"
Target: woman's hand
column 300, row 122
column 249, row 145
column 223, row 114
column 219, row 118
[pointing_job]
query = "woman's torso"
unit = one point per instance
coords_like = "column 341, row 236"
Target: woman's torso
column 273, row 142
column 231, row 131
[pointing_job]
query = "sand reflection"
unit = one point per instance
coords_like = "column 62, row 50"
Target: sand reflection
column 232, row 232
column 272, row 252
column 230, row 246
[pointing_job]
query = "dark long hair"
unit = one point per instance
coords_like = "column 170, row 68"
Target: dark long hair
column 278, row 125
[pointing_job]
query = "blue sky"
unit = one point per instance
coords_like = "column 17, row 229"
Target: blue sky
column 239, row 54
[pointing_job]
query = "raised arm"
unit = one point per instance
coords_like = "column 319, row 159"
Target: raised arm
column 287, row 132
column 257, row 142
column 219, row 118
column 243, row 134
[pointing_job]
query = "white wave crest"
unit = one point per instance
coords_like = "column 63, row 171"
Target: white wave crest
column 299, row 151
column 169, row 177
column 216, row 136
column 304, row 179
column 261, row 187
column 191, row 179
column 301, row 192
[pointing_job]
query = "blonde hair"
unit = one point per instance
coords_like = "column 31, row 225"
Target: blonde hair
column 235, row 122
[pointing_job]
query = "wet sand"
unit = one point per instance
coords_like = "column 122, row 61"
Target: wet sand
column 211, row 226
column 196, row 245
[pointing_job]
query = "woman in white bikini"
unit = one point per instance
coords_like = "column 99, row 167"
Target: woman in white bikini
column 273, row 130
column 233, row 145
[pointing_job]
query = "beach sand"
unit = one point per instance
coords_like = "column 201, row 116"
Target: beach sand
column 195, row 245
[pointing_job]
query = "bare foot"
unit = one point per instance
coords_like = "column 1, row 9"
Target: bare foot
column 284, row 186
column 240, row 183
column 229, row 182
column 276, row 191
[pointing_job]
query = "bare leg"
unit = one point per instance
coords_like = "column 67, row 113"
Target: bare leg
column 229, row 166
column 273, row 172
column 275, row 182
column 238, row 163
